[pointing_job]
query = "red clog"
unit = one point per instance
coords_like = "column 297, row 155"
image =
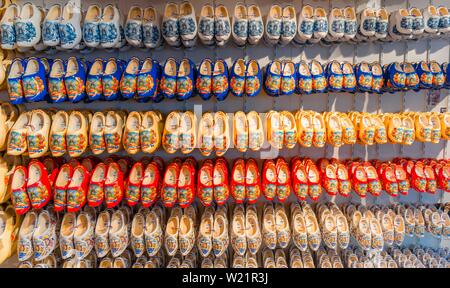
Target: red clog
column 96, row 193
column 114, row 185
column 419, row 181
column 133, row 186
column 205, row 187
column 269, row 180
column 299, row 179
column 220, row 182
column 38, row 186
column 78, row 189
column 329, row 180
column 151, row 185
column 359, row 179
column 431, row 179
column 402, row 180
column 390, row 181
column 373, row 180
column 19, row 195
column 52, row 169
column 283, row 180
column 314, row 186
column 252, row 181
column 186, row 183
column 444, row 178
column 61, row 184
column 237, row 183
column 170, row 184
column 345, row 186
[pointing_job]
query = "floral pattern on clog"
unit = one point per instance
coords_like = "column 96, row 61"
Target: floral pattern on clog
column 108, row 33
column 95, row 195
column 149, row 195
column 15, row 91
column 50, row 31
column 8, row 38
column 25, row 31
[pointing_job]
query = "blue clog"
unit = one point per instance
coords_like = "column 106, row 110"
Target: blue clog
column 203, row 83
column 34, row 80
column 253, row 79
column 364, row 77
column 168, row 84
column 220, row 80
column 75, row 79
column 94, row 84
column 147, row 80
column 319, row 82
column 272, row 82
column 349, row 78
column 425, row 75
column 378, row 77
column 111, row 79
column 438, row 75
column 304, row 78
column 237, row 77
column 185, row 79
column 396, row 76
column 128, row 82
column 412, row 79
column 56, row 87
column 446, row 70
column 14, row 81
column 288, row 78
column 333, row 73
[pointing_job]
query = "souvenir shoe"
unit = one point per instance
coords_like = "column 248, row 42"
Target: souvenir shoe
column 378, row 77
column 151, row 31
column 15, row 83
column 431, row 179
column 344, row 187
column 170, row 185
column 10, row 14
column 288, row 78
column 77, row 189
column 283, row 180
column 237, row 183
column 319, row 82
column 350, row 23
column 58, row 131
column 169, row 78
column 66, row 237
column 334, row 130
column 330, row 181
column 423, row 128
column 336, row 25
column 185, row 80
column 402, row 180
column 299, row 179
column 272, row 82
column 61, row 184
column 334, row 76
column 221, row 137
column 96, row 133
column 298, row 227
column 137, row 234
column 304, row 79
column 252, row 181
column 171, row 236
column 275, row 132
column 255, row 24
column 153, row 233
column 401, row 23
column 282, row 226
column 418, row 24
column 240, row 131
column 204, row 238
column 38, row 133
column 288, row 25
column 364, row 76
column 17, row 138
column 110, row 79
column 150, row 185
column 19, row 196
column 114, row 124
column 222, row 25
column 273, row 25
column 315, row 188
column 425, row 75
column 187, row 24
column 220, row 82
column 312, row 230
column 147, row 80
column 431, row 18
column 133, row 26
column 348, row 77
column 320, row 24
column 444, row 21
column 253, row 231
column 382, row 23
column 91, row 32
column 438, row 75
column 170, row 25
column 367, row 23
column 101, row 234
column 318, row 139
column 171, row 137
column 220, row 182
column 56, row 87
column 329, row 231
column 28, row 26
column 373, row 181
column 205, row 184
column 206, row 134
column 206, row 25
column 70, row 31
column 203, row 84
column 186, row 185
column 240, row 25
column 76, row 135
column 27, row 229
column 253, row 78
column 75, row 78
column 129, row 80
column 220, row 238
column 118, row 233
column 44, row 235
column 131, row 139
column 150, row 132
column 305, row 28
column 114, row 185
column 399, row 230
column 109, row 27
column 50, row 26
column 186, row 236
column 133, row 187
column 94, row 87
column 255, row 131
column 360, row 181
column 435, row 132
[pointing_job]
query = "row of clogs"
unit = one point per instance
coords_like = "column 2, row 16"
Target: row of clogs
column 38, row 79
column 113, row 233
column 72, row 185
column 68, row 27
